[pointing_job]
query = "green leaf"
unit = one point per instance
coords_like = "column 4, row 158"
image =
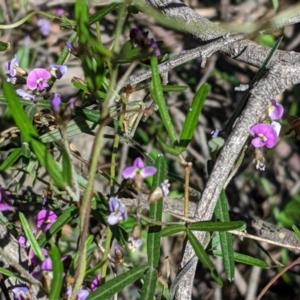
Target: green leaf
column 57, row 268
column 66, row 165
column 118, row 283
column 67, row 215
column 215, row 144
column 203, row 257
column 75, row 127
column 31, row 136
column 11, row 159
column 172, row 229
column 31, row 238
column 296, row 230
column 149, row 285
column 173, row 88
column 226, row 240
column 167, row 148
column 155, row 213
column 100, row 14
column 216, row 226
column 244, row 259
column 158, row 97
column 4, row 46
column 192, row 117
column 9, row 273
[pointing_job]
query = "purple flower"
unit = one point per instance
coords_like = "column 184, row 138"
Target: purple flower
column 68, row 46
column 264, row 135
column 33, row 258
column 10, row 66
column 59, row 11
column 275, row 110
column 5, row 200
column 96, row 282
column 45, row 218
column 45, row 26
column 21, row 293
column 134, row 243
column 23, row 241
column 154, row 46
column 47, row 264
column 25, row 95
column 70, row 107
column 117, row 210
column 276, row 126
column 215, row 133
column 134, row 238
column 58, row 71
column 37, row 79
column 139, row 168
column 81, row 295
column 165, row 187
column 55, row 102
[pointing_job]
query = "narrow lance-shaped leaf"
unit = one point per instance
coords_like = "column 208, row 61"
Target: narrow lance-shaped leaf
column 216, row 226
column 115, row 285
column 57, row 270
column 244, row 259
column 153, row 239
column 11, row 159
column 226, row 240
column 158, row 97
column 203, row 257
column 192, row 117
column 148, row 290
column 31, row 238
column 172, row 229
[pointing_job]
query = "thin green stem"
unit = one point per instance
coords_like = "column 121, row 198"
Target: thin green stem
column 27, row 17
column 108, row 240
column 85, row 210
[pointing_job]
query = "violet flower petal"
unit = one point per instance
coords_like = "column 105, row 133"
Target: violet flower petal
column 45, row 26
column 113, row 218
column 20, row 292
column 129, row 172
column 58, row 70
column 275, row 110
column 55, row 102
column 148, row 171
column 37, row 79
column 138, row 162
column 25, row 95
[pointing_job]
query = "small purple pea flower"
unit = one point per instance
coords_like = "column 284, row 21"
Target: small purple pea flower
column 58, row 71
column 275, row 110
column 45, row 218
column 11, row 66
column 5, row 200
column 134, row 238
column 23, row 241
column 25, row 95
column 264, row 135
column 68, row 46
column 117, row 210
column 37, row 79
column 45, row 26
column 81, row 295
column 154, row 46
column 96, row 282
column 21, row 293
column 55, row 101
column 138, row 168
column 34, row 261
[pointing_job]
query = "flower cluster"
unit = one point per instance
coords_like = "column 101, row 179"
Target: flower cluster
column 36, row 80
column 266, row 134
column 140, row 38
